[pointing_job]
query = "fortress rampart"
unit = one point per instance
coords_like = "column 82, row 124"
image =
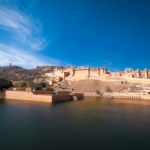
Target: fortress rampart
column 29, row 96
column 25, row 96
column 73, row 74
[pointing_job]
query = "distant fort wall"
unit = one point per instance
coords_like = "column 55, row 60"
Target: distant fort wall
column 75, row 74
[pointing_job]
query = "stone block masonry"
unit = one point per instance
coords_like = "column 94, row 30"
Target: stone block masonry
column 76, row 74
column 25, row 95
column 29, row 96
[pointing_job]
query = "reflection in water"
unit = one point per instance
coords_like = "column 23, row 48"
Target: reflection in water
column 92, row 123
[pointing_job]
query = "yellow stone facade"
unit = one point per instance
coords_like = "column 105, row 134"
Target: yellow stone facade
column 74, row 73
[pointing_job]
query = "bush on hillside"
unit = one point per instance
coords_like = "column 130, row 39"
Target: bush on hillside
column 23, row 84
column 98, row 92
column 42, row 84
column 49, row 89
column 108, row 89
column 37, row 88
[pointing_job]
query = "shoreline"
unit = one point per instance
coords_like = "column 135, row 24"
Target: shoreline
column 29, row 96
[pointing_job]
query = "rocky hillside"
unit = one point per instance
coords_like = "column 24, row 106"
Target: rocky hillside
column 17, row 73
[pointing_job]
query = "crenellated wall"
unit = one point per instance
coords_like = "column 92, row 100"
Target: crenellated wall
column 87, row 73
column 73, row 73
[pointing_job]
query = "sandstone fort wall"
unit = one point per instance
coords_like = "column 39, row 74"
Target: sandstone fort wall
column 29, row 96
column 24, row 95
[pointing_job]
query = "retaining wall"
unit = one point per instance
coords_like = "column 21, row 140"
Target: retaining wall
column 25, row 95
column 131, row 95
column 79, row 95
column 60, row 98
column 29, row 96
column 91, row 94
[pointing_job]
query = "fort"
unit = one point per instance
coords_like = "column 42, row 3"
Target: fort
column 81, row 73
column 129, row 79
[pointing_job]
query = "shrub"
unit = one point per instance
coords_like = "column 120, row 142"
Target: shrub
column 23, row 84
column 37, row 88
column 108, row 89
column 97, row 91
column 49, row 89
column 42, row 84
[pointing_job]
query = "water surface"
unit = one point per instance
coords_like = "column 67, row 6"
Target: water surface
column 89, row 124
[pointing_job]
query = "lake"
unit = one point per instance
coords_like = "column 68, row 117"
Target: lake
column 90, row 124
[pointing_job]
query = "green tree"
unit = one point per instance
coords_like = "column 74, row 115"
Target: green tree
column 5, row 84
column 42, row 84
column 37, row 88
column 23, row 84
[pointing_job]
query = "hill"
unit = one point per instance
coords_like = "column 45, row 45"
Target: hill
column 17, row 73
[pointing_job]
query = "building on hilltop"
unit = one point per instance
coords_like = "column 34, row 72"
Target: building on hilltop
column 82, row 73
column 73, row 73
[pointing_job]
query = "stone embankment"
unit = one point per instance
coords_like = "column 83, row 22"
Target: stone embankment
column 60, row 98
column 122, row 95
column 79, row 95
column 131, row 95
column 91, row 94
column 29, row 96
column 25, row 96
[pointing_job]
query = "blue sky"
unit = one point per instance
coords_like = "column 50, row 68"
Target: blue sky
column 97, row 33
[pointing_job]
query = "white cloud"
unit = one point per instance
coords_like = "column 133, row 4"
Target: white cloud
column 22, row 58
column 26, row 33
column 23, row 28
column 17, row 57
